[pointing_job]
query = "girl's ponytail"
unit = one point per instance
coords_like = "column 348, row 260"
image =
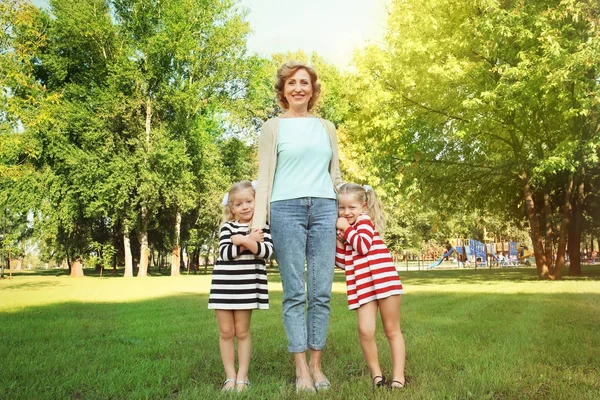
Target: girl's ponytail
column 375, row 209
column 366, row 194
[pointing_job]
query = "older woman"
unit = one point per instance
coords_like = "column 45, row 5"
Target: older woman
column 297, row 176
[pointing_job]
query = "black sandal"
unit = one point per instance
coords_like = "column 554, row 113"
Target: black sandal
column 401, row 385
column 379, row 384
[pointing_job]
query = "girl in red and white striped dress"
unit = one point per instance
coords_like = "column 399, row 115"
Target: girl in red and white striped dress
column 371, row 278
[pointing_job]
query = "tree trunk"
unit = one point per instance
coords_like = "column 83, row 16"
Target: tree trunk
column 175, row 257
column 127, row 245
column 534, row 232
column 77, row 268
column 575, row 229
column 564, row 227
column 549, row 234
column 144, row 253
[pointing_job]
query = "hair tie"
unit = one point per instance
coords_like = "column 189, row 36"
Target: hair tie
column 254, row 184
column 367, row 188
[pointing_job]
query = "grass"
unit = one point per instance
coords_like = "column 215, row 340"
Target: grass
column 480, row 334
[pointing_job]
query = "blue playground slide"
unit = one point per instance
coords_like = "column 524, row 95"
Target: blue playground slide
column 438, row 262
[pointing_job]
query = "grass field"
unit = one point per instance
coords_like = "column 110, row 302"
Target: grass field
column 484, row 334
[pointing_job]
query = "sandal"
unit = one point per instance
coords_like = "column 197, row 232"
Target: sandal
column 228, row 388
column 400, row 385
column 239, row 383
column 380, row 383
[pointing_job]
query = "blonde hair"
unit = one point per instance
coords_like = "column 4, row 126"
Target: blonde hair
column 368, row 196
column 237, row 187
column 285, row 72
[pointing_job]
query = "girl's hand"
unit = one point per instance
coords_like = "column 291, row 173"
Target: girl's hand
column 342, row 224
column 257, row 235
column 339, row 244
column 237, row 240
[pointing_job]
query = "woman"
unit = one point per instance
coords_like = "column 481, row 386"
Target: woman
column 297, row 175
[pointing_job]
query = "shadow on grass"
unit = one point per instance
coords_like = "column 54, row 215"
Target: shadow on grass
column 458, row 346
column 107, row 273
column 16, row 285
column 486, row 275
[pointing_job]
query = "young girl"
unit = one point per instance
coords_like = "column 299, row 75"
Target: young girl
column 239, row 282
column 371, row 278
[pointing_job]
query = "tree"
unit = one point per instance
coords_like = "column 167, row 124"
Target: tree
column 469, row 99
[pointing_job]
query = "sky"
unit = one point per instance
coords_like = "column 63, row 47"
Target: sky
column 332, row 28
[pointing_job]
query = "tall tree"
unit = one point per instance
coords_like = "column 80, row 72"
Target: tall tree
column 486, row 102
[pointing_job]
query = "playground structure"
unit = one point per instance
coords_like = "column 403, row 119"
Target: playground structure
column 471, row 252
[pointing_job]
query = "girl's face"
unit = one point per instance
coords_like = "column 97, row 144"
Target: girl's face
column 350, row 208
column 242, row 206
column 298, row 89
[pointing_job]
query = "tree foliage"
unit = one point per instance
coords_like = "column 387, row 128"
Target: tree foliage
column 486, row 105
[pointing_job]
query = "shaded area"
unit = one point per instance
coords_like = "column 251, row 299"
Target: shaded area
column 28, row 285
column 459, row 346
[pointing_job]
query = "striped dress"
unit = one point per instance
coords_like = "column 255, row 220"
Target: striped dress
column 370, row 271
column 239, row 280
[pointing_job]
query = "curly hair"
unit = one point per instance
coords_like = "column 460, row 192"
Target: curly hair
column 285, row 72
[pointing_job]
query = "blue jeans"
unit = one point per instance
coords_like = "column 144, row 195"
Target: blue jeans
column 304, row 229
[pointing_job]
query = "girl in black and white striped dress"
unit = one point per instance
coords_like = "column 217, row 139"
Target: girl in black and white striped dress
column 239, row 281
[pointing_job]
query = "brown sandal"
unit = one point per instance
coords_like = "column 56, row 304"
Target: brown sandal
column 379, row 384
column 400, row 385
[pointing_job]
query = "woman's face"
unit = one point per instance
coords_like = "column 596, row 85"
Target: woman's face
column 298, row 90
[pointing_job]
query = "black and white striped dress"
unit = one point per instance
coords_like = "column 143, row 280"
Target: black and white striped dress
column 239, row 280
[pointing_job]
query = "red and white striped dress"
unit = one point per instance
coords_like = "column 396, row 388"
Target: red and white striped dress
column 370, row 271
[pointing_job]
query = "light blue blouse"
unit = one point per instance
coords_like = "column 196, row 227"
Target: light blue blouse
column 303, row 157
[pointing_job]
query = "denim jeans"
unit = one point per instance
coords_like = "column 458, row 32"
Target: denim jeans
column 304, row 230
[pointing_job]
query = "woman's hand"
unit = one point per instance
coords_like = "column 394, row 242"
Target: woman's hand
column 342, row 224
column 257, row 235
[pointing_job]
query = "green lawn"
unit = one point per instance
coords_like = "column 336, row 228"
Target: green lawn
column 481, row 334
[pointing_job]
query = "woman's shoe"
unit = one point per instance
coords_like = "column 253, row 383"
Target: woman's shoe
column 241, row 386
column 381, row 383
column 226, row 388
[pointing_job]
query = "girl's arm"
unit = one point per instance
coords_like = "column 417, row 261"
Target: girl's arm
column 227, row 250
column 360, row 236
column 340, row 255
column 265, row 248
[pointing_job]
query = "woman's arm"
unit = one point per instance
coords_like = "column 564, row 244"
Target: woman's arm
column 265, row 248
column 335, row 159
column 265, row 154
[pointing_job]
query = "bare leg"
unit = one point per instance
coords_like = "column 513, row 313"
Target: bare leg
column 303, row 378
column 226, row 345
column 244, row 342
column 367, row 323
column 390, row 316
column 315, row 369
